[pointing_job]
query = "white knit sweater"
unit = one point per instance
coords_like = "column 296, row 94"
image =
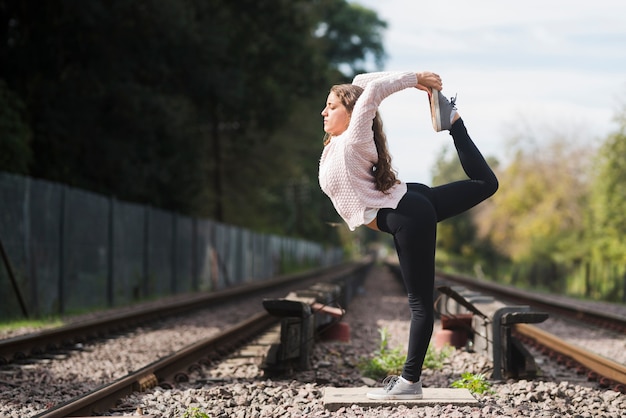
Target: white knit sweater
column 345, row 172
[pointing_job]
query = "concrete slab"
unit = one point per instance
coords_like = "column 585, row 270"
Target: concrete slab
column 335, row 398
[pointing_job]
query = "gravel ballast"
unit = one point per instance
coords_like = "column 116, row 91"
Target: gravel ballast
column 240, row 390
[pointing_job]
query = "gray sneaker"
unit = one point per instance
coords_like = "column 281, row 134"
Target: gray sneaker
column 395, row 388
column 441, row 110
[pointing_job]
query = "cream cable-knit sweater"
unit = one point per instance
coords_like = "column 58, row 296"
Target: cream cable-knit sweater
column 345, row 172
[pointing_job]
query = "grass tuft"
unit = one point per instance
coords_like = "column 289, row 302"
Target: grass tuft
column 390, row 361
column 475, row 383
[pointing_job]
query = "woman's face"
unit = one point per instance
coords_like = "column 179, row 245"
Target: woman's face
column 336, row 117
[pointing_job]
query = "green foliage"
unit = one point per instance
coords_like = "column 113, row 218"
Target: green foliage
column 541, row 200
column 386, row 361
column 195, row 413
column 435, row 358
column 600, row 268
column 15, row 152
column 179, row 104
column 350, row 35
column 31, row 323
column 607, row 220
column 475, row 383
column 390, row 361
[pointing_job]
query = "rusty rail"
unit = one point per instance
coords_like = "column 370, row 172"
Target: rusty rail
column 593, row 362
column 162, row 370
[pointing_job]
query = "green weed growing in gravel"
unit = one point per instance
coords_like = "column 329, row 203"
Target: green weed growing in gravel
column 475, row 383
column 195, row 413
column 388, row 361
column 434, row 358
column 31, row 323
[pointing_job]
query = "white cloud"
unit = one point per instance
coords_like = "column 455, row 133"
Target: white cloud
column 557, row 62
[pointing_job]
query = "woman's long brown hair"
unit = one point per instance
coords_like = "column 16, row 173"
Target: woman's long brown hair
column 384, row 174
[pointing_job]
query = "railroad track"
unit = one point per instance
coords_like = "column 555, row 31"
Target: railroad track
column 547, row 303
column 174, row 368
column 166, row 370
column 160, row 372
column 606, row 371
column 35, row 344
column 609, row 373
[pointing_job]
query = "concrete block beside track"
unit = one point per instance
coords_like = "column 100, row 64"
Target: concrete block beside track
column 337, row 398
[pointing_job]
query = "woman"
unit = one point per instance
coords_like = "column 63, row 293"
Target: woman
column 355, row 172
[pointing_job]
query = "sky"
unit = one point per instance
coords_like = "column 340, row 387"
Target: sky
column 534, row 68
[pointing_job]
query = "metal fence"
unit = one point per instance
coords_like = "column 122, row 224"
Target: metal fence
column 72, row 250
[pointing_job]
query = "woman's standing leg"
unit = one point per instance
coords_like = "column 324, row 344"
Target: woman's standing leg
column 413, row 225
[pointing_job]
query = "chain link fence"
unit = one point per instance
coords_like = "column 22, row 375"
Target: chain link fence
column 70, row 250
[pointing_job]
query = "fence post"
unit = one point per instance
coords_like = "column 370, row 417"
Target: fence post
column 110, row 260
column 30, row 267
column 173, row 286
column 146, row 252
column 61, row 286
column 194, row 254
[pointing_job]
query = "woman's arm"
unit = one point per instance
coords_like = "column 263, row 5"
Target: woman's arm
column 426, row 80
column 377, row 87
column 363, row 80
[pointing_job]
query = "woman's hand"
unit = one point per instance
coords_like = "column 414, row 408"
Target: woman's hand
column 427, row 81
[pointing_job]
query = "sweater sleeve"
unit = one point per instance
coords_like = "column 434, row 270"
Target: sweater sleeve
column 376, row 87
column 364, row 79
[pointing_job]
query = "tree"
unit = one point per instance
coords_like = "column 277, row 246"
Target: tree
column 537, row 215
column 179, row 104
column 294, row 199
column 15, row 152
column 350, row 36
column 606, row 220
column 608, row 197
column 95, row 78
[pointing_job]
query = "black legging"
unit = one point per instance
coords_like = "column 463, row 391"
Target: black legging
column 413, row 225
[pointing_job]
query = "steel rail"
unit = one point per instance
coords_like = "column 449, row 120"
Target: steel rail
column 162, row 370
column 598, row 364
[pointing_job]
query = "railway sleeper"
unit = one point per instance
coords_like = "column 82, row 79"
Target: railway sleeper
column 487, row 325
